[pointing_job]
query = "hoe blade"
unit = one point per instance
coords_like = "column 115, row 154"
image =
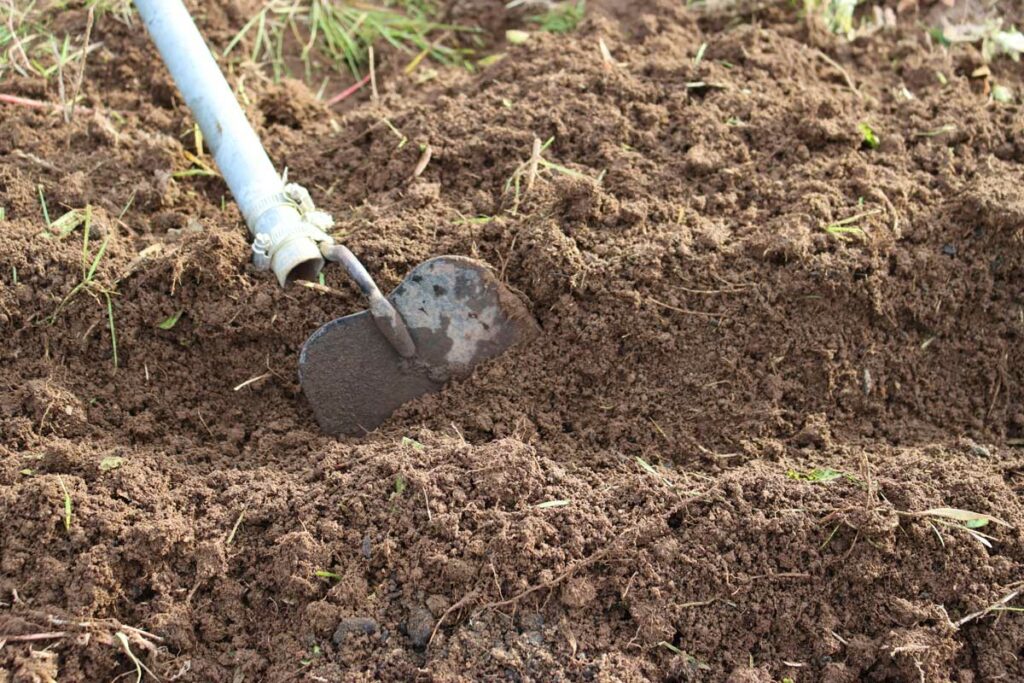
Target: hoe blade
column 458, row 315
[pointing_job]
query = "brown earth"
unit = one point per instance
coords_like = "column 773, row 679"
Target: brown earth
column 706, row 345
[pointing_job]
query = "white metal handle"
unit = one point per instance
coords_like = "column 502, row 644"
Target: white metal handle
column 277, row 226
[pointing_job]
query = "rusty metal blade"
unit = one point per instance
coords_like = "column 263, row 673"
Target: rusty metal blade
column 458, row 314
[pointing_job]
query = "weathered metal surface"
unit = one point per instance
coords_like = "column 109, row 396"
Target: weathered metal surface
column 458, row 315
column 389, row 322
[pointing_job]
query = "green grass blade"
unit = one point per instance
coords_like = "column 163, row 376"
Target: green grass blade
column 113, row 329
column 96, row 261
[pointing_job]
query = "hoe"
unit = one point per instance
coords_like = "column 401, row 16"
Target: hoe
column 447, row 316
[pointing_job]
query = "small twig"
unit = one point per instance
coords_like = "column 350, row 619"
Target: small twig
column 253, row 380
column 459, row 433
column 323, row 289
column 421, row 165
column 839, row 67
column 507, row 257
column 869, row 488
column 606, row 55
column 573, row 568
column 736, row 290
column 195, row 589
column 144, row 635
column 234, row 529
column 25, row 102
column 51, row 635
column 349, row 91
column 208, row 430
column 497, row 581
column 889, row 205
column 17, row 101
column 991, row 608
column 532, row 164
column 461, row 603
column 184, row 669
column 700, row 603
column 426, row 500
column 373, row 77
column 28, row 156
column 110, row 624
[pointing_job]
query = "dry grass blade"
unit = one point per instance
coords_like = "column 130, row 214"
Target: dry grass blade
column 234, row 529
column 531, row 168
column 998, row 605
column 322, row 289
column 963, row 515
column 91, row 18
column 843, row 72
column 425, row 157
column 252, row 380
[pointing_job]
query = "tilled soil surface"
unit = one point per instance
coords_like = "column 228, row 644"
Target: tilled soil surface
column 768, row 349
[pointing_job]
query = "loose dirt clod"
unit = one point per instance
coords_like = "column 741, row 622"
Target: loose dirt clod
column 743, row 449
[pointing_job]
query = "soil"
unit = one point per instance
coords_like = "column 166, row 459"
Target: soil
column 712, row 465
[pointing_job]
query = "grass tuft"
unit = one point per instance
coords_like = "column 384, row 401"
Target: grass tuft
column 341, row 34
column 846, row 229
column 29, row 46
column 68, row 223
column 836, row 15
column 994, row 39
column 526, row 174
column 561, row 18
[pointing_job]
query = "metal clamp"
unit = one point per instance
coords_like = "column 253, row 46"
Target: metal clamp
column 288, row 233
column 261, row 251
